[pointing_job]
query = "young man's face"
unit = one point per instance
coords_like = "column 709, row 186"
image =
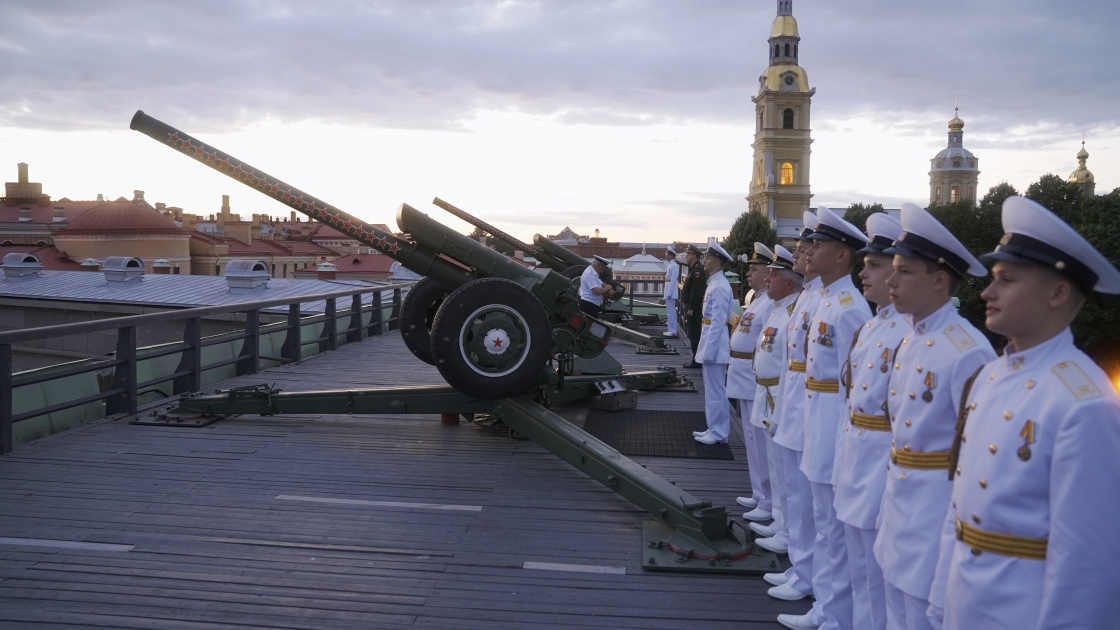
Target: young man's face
column 756, row 277
column 1017, row 297
column 911, row 285
column 712, row 264
column 876, row 269
column 669, row 256
column 824, row 256
column 691, row 258
column 799, row 256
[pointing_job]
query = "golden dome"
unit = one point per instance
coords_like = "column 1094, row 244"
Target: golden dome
column 784, row 26
column 956, row 124
column 1082, row 175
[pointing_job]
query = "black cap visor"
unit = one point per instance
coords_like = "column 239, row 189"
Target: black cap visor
column 914, row 246
column 827, row 232
column 1019, row 248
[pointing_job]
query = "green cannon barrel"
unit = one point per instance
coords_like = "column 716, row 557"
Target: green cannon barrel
column 558, row 251
column 413, row 256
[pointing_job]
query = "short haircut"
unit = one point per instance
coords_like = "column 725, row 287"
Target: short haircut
column 791, row 275
column 954, row 279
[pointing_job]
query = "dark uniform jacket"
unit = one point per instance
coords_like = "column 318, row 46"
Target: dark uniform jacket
column 692, row 294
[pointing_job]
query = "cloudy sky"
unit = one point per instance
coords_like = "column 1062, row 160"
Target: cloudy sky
column 632, row 116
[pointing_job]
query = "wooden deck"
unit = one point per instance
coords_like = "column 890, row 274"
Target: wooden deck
column 239, row 525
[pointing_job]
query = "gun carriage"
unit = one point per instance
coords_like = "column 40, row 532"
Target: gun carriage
column 507, row 339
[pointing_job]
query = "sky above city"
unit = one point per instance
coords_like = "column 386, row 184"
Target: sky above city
column 632, row 117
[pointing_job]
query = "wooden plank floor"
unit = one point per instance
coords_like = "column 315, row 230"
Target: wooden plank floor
column 210, row 544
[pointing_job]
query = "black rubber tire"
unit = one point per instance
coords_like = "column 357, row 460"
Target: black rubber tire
column 573, row 272
column 448, row 331
column 418, row 312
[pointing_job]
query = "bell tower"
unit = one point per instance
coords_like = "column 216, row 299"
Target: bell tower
column 779, row 185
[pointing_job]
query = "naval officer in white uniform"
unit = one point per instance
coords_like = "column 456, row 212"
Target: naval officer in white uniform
column 714, row 350
column 839, row 312
column 782, row 285
column 741, row 383
column 864, row 448
column 936, row 357
column 671, row 291
column 1030, row 537
column 592, row 289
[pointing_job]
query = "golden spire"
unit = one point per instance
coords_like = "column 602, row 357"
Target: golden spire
column 956, row 124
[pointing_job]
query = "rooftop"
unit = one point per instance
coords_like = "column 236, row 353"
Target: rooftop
column 326, row 521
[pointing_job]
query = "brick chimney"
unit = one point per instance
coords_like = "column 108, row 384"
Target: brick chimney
column 326, row 271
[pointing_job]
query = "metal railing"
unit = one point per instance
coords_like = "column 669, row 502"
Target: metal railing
column 121, row 396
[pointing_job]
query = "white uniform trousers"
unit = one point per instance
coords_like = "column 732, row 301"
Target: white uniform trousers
column 777, row 487
column 832, row 583
column 799, row 519
column 904, row 611
column 869, row 605
column 717, row 410
column 671, row 315
column 757, row 461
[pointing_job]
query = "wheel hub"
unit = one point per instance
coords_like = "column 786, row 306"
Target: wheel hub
column 494, row 340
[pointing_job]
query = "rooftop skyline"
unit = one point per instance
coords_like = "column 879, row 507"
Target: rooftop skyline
column 630, row 117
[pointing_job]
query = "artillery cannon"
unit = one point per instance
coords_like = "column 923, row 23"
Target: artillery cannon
column 505, row 338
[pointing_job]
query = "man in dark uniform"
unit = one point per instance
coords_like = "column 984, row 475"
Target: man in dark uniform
column 692, row 298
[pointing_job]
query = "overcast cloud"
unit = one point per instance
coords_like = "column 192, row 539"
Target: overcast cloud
column 1032, row 70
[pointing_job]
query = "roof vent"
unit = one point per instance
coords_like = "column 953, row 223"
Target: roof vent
column 18, row 266
column 25, row 213
column 326, row 271
column 161, row 266
column 247, row 275
column 90, row 264
column 123, row 269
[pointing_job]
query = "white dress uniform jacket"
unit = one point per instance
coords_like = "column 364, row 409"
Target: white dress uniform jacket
column 770, row 359
column 1040, row 459
column 863, row 454
column 714, row 343
column 672, row 274
column 840, row 311
column 744, row 338
column 791, row 425
column 933, row 363
column 588, row 281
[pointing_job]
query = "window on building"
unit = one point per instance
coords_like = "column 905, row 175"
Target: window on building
column 758, row 172
column 787, row 173
column 787, row 50
column 273, row 270
column 937, row 195
column 777, row 50
column 954, row 194
column 795, row 50
column 787, row 119
column 956, row 162
column 971, row 192
column 218, row 270
column 285, row 270
column 760, row 118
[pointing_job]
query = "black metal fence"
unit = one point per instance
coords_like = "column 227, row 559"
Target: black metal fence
column 121, row 396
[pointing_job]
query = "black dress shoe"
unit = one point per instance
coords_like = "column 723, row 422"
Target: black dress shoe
column 692, row 366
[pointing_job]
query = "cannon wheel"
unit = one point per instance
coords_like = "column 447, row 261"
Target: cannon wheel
column 418, row 312
column 573, row 272
column 491, row 338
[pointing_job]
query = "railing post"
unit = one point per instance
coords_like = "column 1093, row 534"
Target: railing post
column 376, row 325
column 355, row 325
column 124, row 375
column 293, row 342
column 191, row 359
column 5, row 399
column 251, row 350
column 328, row 340
column 395, row 316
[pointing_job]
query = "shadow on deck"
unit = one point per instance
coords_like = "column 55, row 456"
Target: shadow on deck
column 347, row 522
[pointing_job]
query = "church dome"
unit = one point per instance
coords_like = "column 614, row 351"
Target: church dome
column 956, row 124
column 1082, row 175
column 784, row 26
column 122, row 217
column 643, row 263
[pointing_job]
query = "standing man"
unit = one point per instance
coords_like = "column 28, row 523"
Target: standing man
column 782, row 286
column 672, row 274
column 741, row 383
column 797, row 582
column 713, row 351
column 1030, row 539
column 692, row 298
column 839, row 312
column 864, row 448
column 933, row 363
column 592, row 288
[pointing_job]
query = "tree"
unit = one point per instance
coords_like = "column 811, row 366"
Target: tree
column 1095, row 329
column 497, row 244
column 1062, row 197
column 997, row 195
column 857, row 214
column 751, row 227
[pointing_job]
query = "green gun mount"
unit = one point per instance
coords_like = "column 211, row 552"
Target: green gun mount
column 490, row 325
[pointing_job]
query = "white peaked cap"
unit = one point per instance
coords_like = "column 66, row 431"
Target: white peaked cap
column 924, row 237
column 762, row 255
column 831, row 227
column 670, row 250
column 1033, row 234
column 602, row 260
column 882, row 230
column 783, row 259
column 809, row 221
column 716, row 249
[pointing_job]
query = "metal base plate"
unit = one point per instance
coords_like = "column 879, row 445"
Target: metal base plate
column 669, row 350
column 168, row 420
column 658, row 556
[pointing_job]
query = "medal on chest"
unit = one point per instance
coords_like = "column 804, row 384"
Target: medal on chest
column 745, row 323
column 886, row 357
column 804, row 320
column 826, row 333
column 768, row 338
column 930, row 382
column 1028, row 438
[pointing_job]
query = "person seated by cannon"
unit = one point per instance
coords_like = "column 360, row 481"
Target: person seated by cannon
column 592, row 289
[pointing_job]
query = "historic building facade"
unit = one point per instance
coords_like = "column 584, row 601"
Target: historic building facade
column 954, row 171
column 780, row 179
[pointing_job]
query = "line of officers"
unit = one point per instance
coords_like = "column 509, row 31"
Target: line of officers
column 915, row 478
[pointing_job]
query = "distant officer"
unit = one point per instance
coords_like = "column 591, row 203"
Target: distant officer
column 1030, row 536
column 713, row 351
column 672, row 274
column 592, row 289
column 864, row 446
column 797, row 583
column 936, row 357
column 839, row 312
column 692, row 298
column 741, row 383
column 782, row 286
